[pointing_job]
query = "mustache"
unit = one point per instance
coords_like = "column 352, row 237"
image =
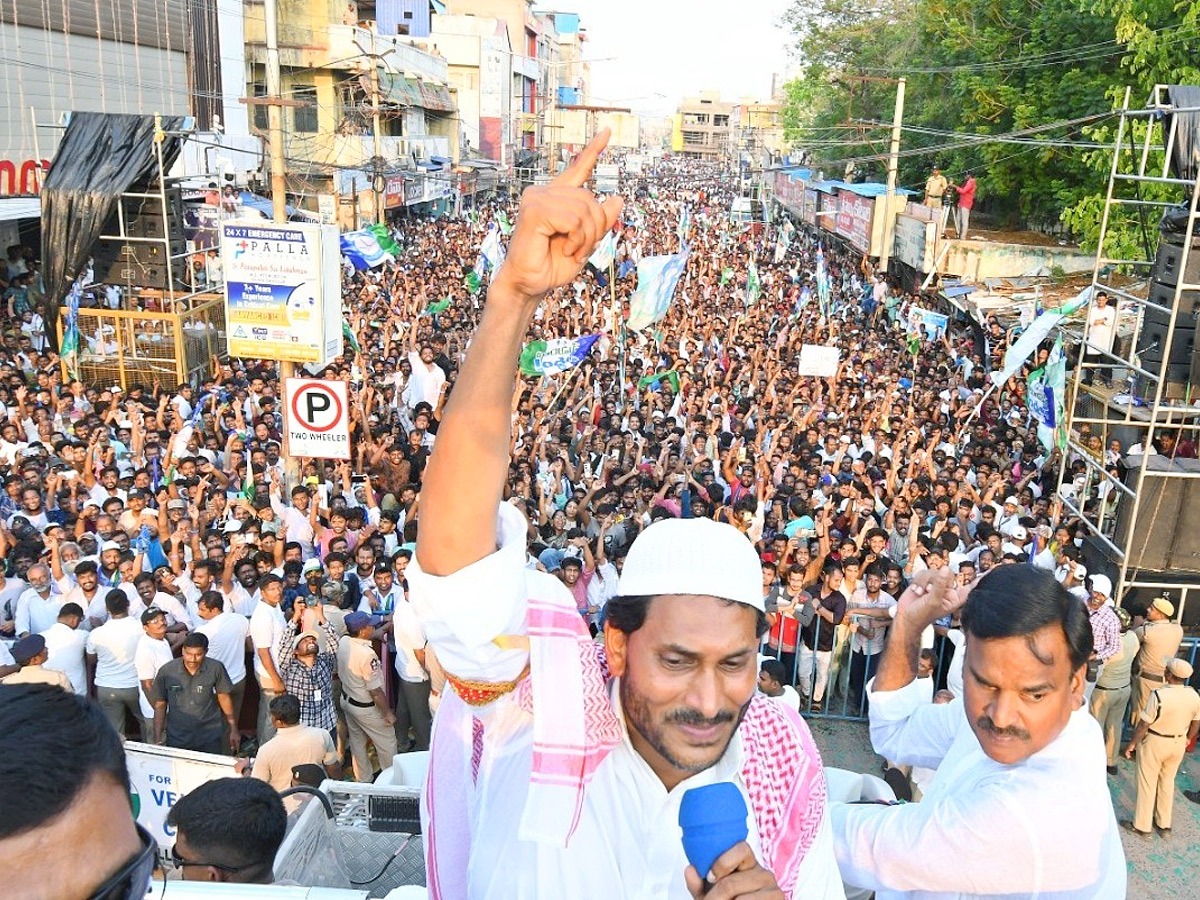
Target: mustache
column 696, row 718
column 985, row 723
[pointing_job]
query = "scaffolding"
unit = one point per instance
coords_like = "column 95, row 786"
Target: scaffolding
column 170, row 326
column 1141, row 522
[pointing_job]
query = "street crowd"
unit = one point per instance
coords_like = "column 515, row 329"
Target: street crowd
column 158, row 558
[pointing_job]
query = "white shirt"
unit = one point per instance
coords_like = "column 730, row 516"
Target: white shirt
column 425, row 383
column 266, row 626
column 627, row 843
column 1041, row 828
column 176, row 612
column 299, row 526
column 114, row 644
column 35, row 614
column 66, row 647
column 148, row 657
column 788, row 698
column 226, row 633
column 409, row 639
column 1102, row 324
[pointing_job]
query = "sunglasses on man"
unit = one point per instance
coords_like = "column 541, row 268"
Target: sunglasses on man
column 133, row 880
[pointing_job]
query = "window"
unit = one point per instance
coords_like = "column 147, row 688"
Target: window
column 258, row 112
column 304, row 118
column 720, row 121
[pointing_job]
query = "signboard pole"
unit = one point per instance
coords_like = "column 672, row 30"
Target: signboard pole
column 889, row 213
column 278, row 186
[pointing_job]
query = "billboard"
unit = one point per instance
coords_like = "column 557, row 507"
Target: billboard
column 282, row 291
column 854, row 215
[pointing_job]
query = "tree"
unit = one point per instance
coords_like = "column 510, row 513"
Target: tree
column 1010, row 89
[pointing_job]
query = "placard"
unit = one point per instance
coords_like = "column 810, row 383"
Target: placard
column 819, row 361
column 316, row 417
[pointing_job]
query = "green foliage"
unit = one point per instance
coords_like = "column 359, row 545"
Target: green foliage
column 986, row 68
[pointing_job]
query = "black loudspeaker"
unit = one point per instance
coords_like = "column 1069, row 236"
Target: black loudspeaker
column 1166, row 536
column 1152, row 343
column 1158, row 514
column 1169, row 264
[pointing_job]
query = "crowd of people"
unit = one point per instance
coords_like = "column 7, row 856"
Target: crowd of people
column 158, row 553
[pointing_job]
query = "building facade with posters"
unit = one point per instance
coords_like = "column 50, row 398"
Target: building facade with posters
column 479, row 64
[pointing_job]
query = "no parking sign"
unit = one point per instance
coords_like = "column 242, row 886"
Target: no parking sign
column 317, row 418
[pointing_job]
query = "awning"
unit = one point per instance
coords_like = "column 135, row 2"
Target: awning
column 397, row 90
column 264, row 206
column 435, row 97
column 12, row 208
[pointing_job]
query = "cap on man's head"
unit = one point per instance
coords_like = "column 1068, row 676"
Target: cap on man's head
column 1102, row 585
column 28, row 647
column 1164, row 606
column 693, row 556
column 312, row 565
column 1019, row 533
column 1011, row 501
column 357, row 621
column 1180, row 668
column 232, row 525
column 152, row 613
column 109, row 545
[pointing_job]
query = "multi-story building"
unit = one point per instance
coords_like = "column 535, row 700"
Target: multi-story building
column 756, row 133
column 480, row 67
column 362, row 97
column 529, row 44
column 702, row 126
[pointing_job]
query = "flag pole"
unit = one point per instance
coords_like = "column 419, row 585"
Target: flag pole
column 618, row 320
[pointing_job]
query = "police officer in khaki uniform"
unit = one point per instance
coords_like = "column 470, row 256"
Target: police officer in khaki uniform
column 30, row 654
column 1160, row 639
column 1169, row 721
column 363, row 701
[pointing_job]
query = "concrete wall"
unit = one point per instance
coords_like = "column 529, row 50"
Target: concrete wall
column 977, row 260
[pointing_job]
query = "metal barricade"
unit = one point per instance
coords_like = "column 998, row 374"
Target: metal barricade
column 127, row 347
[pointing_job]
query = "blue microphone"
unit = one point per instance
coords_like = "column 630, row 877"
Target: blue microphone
column 713, row 819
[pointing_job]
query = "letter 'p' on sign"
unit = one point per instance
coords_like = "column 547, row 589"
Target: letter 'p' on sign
column 316, row 418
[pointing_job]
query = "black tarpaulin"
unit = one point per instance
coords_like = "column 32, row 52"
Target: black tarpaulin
column 102, row 155
column 1185, row 152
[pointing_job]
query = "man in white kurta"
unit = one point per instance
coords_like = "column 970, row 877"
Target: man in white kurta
column 1040, row 826
column 557, row 771
column 627, row 843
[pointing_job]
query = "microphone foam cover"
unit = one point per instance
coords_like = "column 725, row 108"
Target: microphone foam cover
column 713, row 819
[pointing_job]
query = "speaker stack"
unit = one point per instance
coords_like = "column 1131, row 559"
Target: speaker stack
column 144, row 263
column 1183, row 364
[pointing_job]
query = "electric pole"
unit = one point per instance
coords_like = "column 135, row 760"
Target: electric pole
column 274, row 83
column 275, row 111
column 376, row 185
column 889, row 221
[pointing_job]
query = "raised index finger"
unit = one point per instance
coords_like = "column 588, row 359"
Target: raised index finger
column 580, row 169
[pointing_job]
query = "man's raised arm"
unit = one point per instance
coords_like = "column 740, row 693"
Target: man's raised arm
column 558, row 226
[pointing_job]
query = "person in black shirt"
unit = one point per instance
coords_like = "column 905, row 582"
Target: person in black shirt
column 828, row 606
column 193, row 708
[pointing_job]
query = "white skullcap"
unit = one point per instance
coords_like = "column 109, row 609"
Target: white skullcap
column 1102, row 585
column 693, row 556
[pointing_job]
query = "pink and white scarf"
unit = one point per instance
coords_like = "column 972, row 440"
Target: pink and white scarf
column 574, row 729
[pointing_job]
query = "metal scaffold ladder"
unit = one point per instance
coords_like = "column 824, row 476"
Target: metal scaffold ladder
column 1148, row 399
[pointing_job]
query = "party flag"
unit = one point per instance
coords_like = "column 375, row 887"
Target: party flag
column 555, row 355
